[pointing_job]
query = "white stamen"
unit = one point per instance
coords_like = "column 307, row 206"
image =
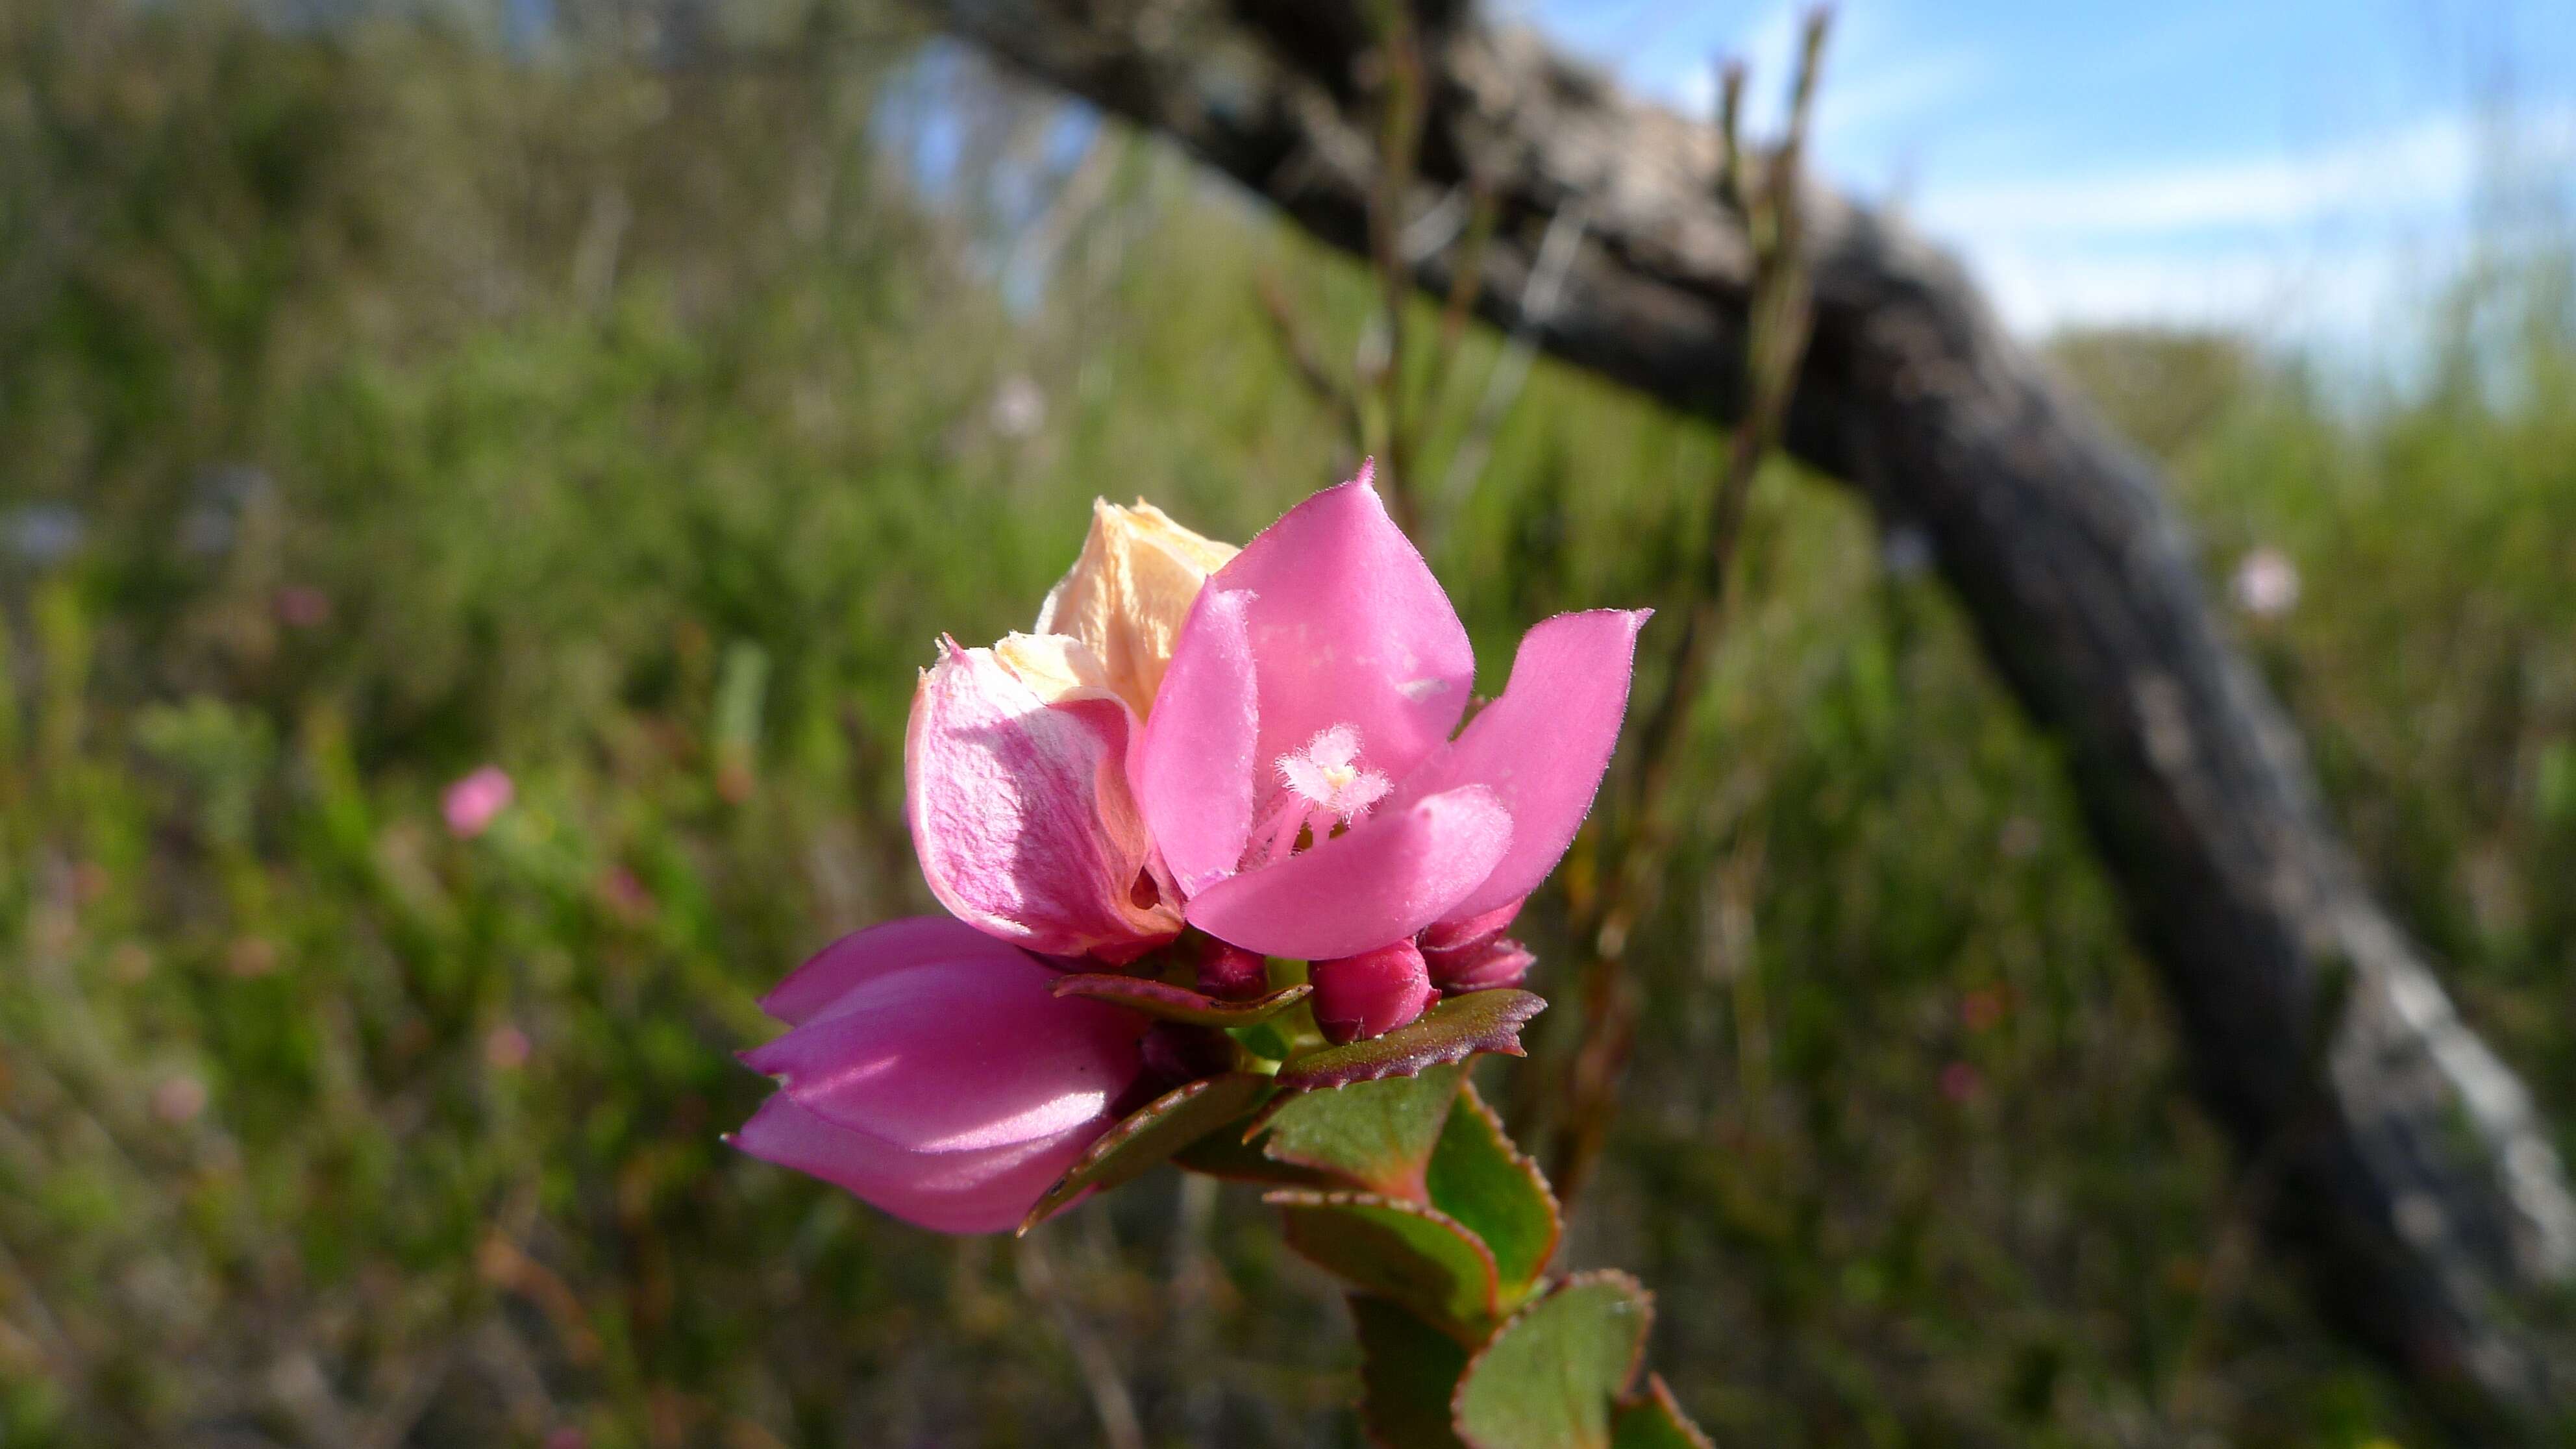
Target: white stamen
column 1327, row 775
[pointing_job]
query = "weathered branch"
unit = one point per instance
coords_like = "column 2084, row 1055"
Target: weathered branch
column 2416, row 1182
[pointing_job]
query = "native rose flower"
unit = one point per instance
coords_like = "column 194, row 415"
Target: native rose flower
column 1264, row 745
column 1301, row 782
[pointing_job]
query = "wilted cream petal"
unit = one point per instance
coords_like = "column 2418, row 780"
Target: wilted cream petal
column 1058, row 666
column 1128, row 594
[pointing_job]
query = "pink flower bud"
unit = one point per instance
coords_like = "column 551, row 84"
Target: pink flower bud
column 1231, row 973
column 1370, row 994
column 1503, row 962
column 933, row 1073
column 1457, row 937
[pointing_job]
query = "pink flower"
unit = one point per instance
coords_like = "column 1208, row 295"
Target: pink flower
column 2266, row 583
column 472, row 803
column 1298, row 770
column 931, row 1072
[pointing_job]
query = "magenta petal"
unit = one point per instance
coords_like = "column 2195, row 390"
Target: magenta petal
column 1372, row 993
column 1021, row 813
column 1350, row 628
column 1196, row 768
column 958, row 1056
column 985, row 1191
column 1399, row 871
column 1543, row 747
column 1500, row 962
column 861, row 956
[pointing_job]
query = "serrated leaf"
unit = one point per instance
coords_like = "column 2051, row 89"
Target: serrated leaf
column 1652, row 1420
column 1151, row 1134
column 1408, row 1371
column 1551, row 1378
column 1457, row 1028
column 1377, row 1135
column 1167, row 1002
column 1478, row 1177
column 1403, row 1251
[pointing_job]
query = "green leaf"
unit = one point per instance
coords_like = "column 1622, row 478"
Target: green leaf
column 1378, row 1135
column 1408, row 1371
column 1151, row 1134
column 1457, row 1028
column 1163, row 1000
column 1478, row 1177
column 1652, row 1420
column 1551, row 1377
column 1412, row 1254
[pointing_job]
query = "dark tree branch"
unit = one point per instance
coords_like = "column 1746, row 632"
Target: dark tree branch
column 2416, row 1181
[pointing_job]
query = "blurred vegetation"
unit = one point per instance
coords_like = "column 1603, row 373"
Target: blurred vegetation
column 630, row 410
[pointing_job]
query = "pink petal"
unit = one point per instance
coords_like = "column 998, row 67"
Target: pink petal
column 1196, row 767
column 986, row 1191
column 1399, row 871
column 1372, row 993
column 852, row 961
column 1543, row 747
column 1350, row 628
column 958, row 1056
column 1021, row 815
column 1469, row 933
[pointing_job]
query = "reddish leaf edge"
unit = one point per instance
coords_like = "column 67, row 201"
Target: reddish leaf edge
column 1471, row 1336
column 1076, row 1181
column 1166, row 1002
column 1636, row 1359
column 1421, row 1044
column 1660, row 1395
column 1468, row 1097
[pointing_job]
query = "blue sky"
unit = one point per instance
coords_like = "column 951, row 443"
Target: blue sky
column 2306, row 169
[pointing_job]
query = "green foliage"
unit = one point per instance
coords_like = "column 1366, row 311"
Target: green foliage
column 1376, row 1134
column 1478, row 1177
column 575, row 388
column 1401, row 1251
column 1408, row 1370
column 1552, row 1376
column 1651, row 1420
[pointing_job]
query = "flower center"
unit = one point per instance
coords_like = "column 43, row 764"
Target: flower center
column 1325, row 787
column 1326, row 775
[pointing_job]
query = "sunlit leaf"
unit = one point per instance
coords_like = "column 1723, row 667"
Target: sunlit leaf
column 1377, row 1135
column 1552, row 1377
column 1478, row 1177
column 1402, row 1251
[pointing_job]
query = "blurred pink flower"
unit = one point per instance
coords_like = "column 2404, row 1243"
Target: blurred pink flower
column 179, row 1099
column 2267, row 583
column 1961, row 1082
column 1298, row 771
column 506, row 1048
column 300, row 606
column 932, row 1072
column 472, row 803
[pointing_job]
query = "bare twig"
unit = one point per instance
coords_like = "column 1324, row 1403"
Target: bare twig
column 1777, row 340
